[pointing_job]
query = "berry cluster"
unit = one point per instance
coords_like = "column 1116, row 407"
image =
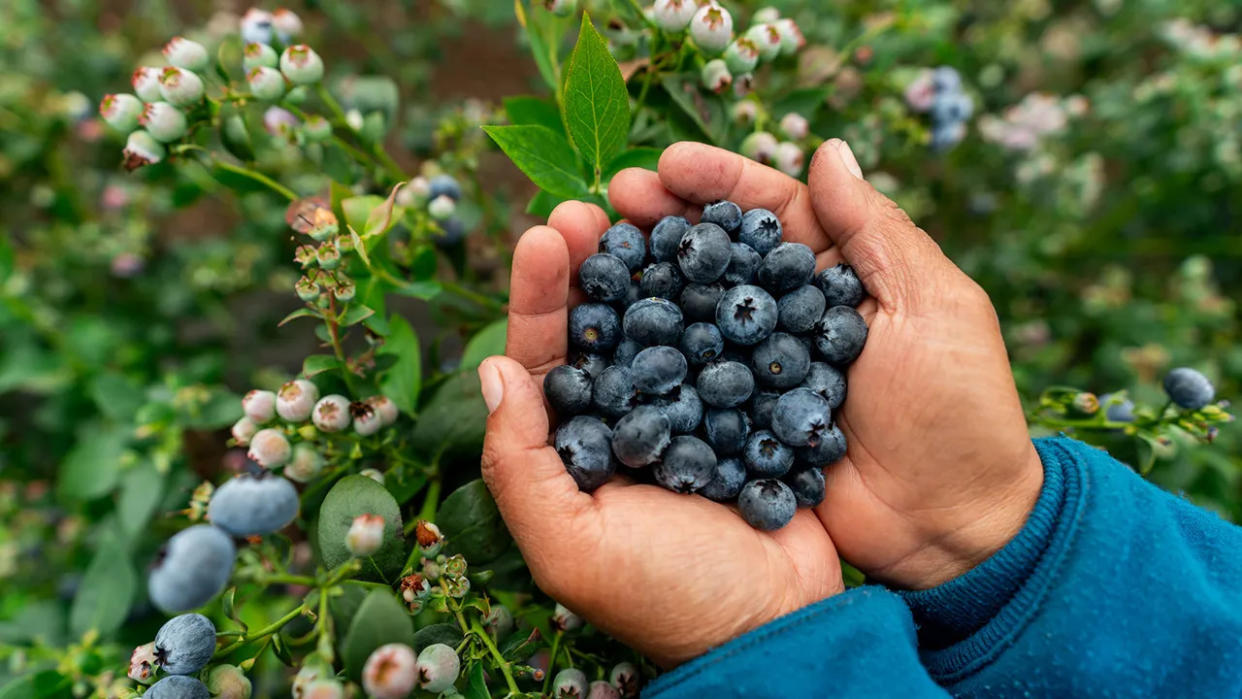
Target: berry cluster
column 440, row 194
column 939, row 94
column 394, row 670
column 710, row 359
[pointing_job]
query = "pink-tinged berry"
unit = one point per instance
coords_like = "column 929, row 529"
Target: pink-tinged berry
column 328, row 256
column 163, row 121
column 266, row 83
column 269, row 448
column 391, row 672
column 788, row 158
column 287, row 24
column 626, row 678
column 121, row 111
column 565, row 620
column 373, row 474
column 715, row 76
column 561, row 8
column 429, row 538
column 243, row 430
column 146, row 82
column 795, row 126
column 305, row 464
column 442, row 207
column 384, row 407
column 280, row 122
column 256, row 26
column 304, row 255
column 324, row 689
column 791, row 36
column 141, row 148
column 712, row 28
column 366, row 421
column 760, row 146
column 259, row 406
column 767, row 39
column 674, row 15
column 183, row 53
column 301, row 65
column 228, row 682
column 438, row 668
column 921, row 92
column 743, row 84
column 180, row 87
column 744, row 113
column 256, row 55
column 316, row 128
column 570, row 683
column 142, row 664
column 307, row 289
column 331, row 413
column 600, row 689
column 296, row 399
column 742, row 55
column 345, row 289
column 365, row 535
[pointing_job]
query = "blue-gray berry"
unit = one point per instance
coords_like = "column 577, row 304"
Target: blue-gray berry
column 614, row 393
column 723, row 213
column 592, row 363
column 604, row 278
column 701, row 343
column 658, row 370
column 743, row 264
column 807, row 485
column 683, row 407
column 184, row 644
column 767, row 504
column 177, row 687
column 746, row 314
column 800, row 309
column 653, row 321
column 253, row 505
column 568, row 390
column 594, row 327
column 1188, row 388
column 1117, row 410
column 827, row 450
column 725, row 384
column 726, row 430
column 761, row 406
column 841, row 286
column 626, row 350
column 727, row 480
column 585, row 446
column 704, row 253
column 687, row 465
column 662, row 279
column 443, row 185
column 626, row 242
column 761, row 230
column 840, row 335
column 666, row 237
column 787, row 267
column 780, row 361
column 641, row 436
column 827, row 381
column 699, row 301
column 801, row 418
column 766, row 456
column 191, row 568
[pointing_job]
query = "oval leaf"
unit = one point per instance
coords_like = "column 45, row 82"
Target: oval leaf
column 403, row 381
column 597, row 105
column 380, row 619
column 358, row 495
column 470, row 521
column 544, row 155
column 103, row 598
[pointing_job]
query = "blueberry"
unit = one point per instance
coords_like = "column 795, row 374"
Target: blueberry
column 726, row 430
column 585, row 445
column 253, row 505
column 840, row 335
column 807, row 485
column 662, row 279
column 594, row 327
column 746, row 314
column 687, row 465
column 658, row 370
column 723, row 213
column 724, row 384
column 614, row 394
column 683, row 407
column 736, row 353
column 801, row 418
column 625, row 241
column 841, row 286
column 191, row 568
column 666, row 236
column 1117, row 410
column 626, row 350
column 443, row 185
column 184, row 644
column 653, row 322
column 828, row 450
column 1188, row 388
column 787, row 267
column 727, row 480
column 946, row 79
column 766, row 456
column 799, row 309
column 950, row 108
column 592, row 363
column 761, row 406
column 761, row 230
column 641, row 436
column 178, row 687
column 743, row 264
column 631, row 297
column 699, row 301
column 780, row 361
column 827, row 381
column 701, row 343
column 604, row 278
column 568, row 390
column 704, row 253
column 767, row 504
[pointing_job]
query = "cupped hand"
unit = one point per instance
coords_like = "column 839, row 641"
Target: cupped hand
column 940, row 471
column 671, row 575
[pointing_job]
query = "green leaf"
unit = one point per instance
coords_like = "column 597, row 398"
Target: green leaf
column 45, row 683
column 229, row 58
column 116, row 396
column 380, row 619
column 300, row 313
column 92, row 467
column 597, row 105
column 533, row 111
column 485, row 343
column 403, row 381
column 476, row 688
column 105, row 593
column 381, row 217
column 454, row 417
column 542, row 204
column 141, row 488
column 355, row 314
column 805, row 101
column 644, row 157
column 319, row 363
column 471, row 523
column 358, row 210
column 448, row 634
column 419, row 290
column 234, row 134
column 544, row 155
column 543, row 50
column 359, row 495
column 706, row 111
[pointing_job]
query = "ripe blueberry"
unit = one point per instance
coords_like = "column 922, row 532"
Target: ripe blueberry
column 683, row 408
column 766, row 456
column 585, row 445
column 799, row 309
column 701, row 343
column 727, row 480
column 1117, row 409
column 780, row 361
column 594, row 327
column 698, row 301
column 726, row 430
column 615, row 394
column 604, row 277
column 253, row 505
column 658, row 370
column 761, row 406
column 704, row 253
column 725, row 384
column 593, row 364
column 767, row 504
column 723, row 213
column 828, row 450
column 743, row 264
column 827, row 381
column 641, row 436
column 1188, row 388
column 653, row 321
column 801, row 418
column 841, row 286
column 184, row 644
column 662, row 279
column 178, row 687
column 787, row 267
column 626, row 242
column 840, row 335
column 443, row 185
column 760, row 230
column 687, row 465
column 666, row 237
column 746, row 314
column 807, row 485
column 568, row 390
column 191, row 568
column 626, row 350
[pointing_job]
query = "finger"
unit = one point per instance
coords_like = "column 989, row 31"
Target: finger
column 640, row 196
column 700, row 174
column 538, row 293
column 875, row 236
column 534, row 492
column 582, row 225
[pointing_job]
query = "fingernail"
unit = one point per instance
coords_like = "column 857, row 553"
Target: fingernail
column 491, row 385
column 847, row 158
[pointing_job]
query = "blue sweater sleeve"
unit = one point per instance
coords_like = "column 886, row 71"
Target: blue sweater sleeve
column 1112, row 587
column 858, row 643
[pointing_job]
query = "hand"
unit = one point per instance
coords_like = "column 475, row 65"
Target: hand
column 940, row 471
column 671, row 575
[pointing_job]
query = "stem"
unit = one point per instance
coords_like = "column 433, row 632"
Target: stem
column 287, row 579
column 500, row 659
column 430, row 503
column 459, row 290
column 257, row 177
column 334, row 332
column 556, row 646
column 333, row 105
column 263, row 632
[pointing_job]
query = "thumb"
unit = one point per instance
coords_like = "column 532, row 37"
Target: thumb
column 896, row 260
column 536, row 495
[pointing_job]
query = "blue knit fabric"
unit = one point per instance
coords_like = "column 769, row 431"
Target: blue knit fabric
column 1112, row 588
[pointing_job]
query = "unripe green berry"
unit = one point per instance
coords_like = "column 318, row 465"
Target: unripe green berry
column 712, row 28
column 305, row 464
column 791, row 36
column 316, row 128
column 183, row 53
column 305, row 256
column 255, row 55
column 307, row 289
column 180, row 87
column 228, row 682
column 438, row 667
column 243, row 430
column 324, row 689
column 344, row 291
column 296, row 399
column 764, row 15
column 742, row 55
column 384, row 407
column 744, row 113
column 760, row 146
column 788, row 158
column 673, row 15
column 328, row 256
column 561, row 8
column 565, row 620
column 146, row 82
column 570, row 683
column 442, row 207
column 795, row 126
column 715, row 76
column 163, row 121
column 259, row 406
column 365, row 535
column 301, row 65
column 331, row 413
column 767, row 38
column 141, row 148
column 266, row 83
column 121, row 111
column 743, row 84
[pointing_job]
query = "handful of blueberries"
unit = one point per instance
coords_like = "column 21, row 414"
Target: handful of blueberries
column 709, row 359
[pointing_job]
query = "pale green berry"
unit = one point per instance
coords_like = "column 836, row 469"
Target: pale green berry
column 328, row 255
column 141, row 148
column 183, row 53
column 163, row 121
column 345, row 290
column 791, row 36
column 296, row 399
column 331, row 413
column 715, row 76
column 712, row 28
column 255, row 55
column 180, row 87
column 305, row 464
column 228, row 682
column 760, row 146
column 316, row 128
column 146, row 82
column 243, row 430
column 767, row 38
column 266, row 83
column 259, row 406
column 301, row 65
column 561, row 8
column 438, row 667
column 442, row 207
column 788, row 158
column 742, row 55
column 307, row 289
column 674, row 15
column 121, row 111
column 764, row 15
column 365, row 535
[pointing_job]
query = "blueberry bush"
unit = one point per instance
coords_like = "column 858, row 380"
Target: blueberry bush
column 251, row 260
